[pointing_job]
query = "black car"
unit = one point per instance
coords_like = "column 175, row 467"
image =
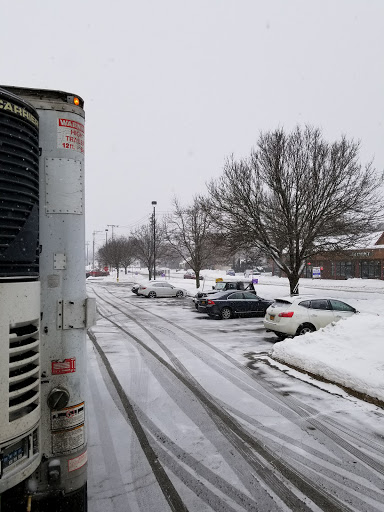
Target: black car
column 135, row 288
column 233, row 303
column 222, row 286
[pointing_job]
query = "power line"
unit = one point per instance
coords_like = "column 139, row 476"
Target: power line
column 145, row 217
column 112, row 226
column 135, row 223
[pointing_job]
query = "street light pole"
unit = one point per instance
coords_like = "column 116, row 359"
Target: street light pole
column 154, row 203
column 93, row 249
column 106, row 235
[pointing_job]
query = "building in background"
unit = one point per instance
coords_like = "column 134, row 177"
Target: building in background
column 365, row 261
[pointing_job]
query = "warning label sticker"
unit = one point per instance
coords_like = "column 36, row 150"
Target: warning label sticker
column 68, row 417
column 61, row 366
column 70, row 135
column 66, row 440
column 77, row 462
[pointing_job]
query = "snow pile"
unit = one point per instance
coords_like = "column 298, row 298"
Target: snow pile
column 349, row 353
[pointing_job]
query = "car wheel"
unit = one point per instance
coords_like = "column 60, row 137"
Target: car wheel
column 196, row 307
column 226, row 313
column 152, row 295
column 179, row 294
column 303, row 329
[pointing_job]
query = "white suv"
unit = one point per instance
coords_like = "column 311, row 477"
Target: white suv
column 299, row 314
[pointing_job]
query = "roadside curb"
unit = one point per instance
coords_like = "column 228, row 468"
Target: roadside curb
column 357, row 394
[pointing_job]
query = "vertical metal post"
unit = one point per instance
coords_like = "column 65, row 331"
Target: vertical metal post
column 154, row 203
column 93, row 249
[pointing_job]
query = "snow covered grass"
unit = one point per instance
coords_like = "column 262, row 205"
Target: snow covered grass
column 349, row 353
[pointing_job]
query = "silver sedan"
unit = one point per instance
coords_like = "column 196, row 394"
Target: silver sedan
column 161, row 289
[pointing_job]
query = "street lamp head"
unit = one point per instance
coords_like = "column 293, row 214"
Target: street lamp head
column 154, row 203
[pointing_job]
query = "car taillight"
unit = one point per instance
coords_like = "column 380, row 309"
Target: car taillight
column 143, row 288
column 287, row 314
column 209, row 301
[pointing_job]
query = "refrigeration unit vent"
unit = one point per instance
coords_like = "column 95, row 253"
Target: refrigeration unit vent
column 19, row 187
column 24, row 369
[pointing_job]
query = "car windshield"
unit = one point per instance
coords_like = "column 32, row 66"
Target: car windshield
column 220, row 286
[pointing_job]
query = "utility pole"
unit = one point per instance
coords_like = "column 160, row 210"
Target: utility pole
column 112, row 226
column 154, row 203
column 93, row 248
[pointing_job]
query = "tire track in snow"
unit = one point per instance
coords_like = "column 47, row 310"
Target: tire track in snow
column 193, row 410
column 340, row 453
column 171, row 495
column 289, row 402
column 341, row 446
column 118, row 498
column 330, row 465
column 241, row 439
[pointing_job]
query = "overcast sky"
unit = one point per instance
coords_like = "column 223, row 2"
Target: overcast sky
column 172, row 87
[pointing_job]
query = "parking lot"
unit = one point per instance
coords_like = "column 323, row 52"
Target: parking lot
column 185, row 413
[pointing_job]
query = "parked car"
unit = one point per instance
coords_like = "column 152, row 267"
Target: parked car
column 135, row 288
column 191, row 275
column 252, row 272
column 232, row 303
column 295, row 315
column 154, row 289
column 225, row 284
column 230, row 272
column 96, row 273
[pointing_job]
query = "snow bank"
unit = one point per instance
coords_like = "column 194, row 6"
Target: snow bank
column 349, row 352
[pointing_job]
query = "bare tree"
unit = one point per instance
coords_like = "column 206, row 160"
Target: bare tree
column 143, row 244
column 128, row 255
column 189, row 233
column 297, row 195
column 113, row 253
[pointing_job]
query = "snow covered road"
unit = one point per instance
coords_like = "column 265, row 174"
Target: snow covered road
column 177, row 421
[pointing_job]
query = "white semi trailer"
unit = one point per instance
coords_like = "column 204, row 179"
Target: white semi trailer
column 44, row 311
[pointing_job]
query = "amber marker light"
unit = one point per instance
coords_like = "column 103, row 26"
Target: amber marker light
column 76, row 101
